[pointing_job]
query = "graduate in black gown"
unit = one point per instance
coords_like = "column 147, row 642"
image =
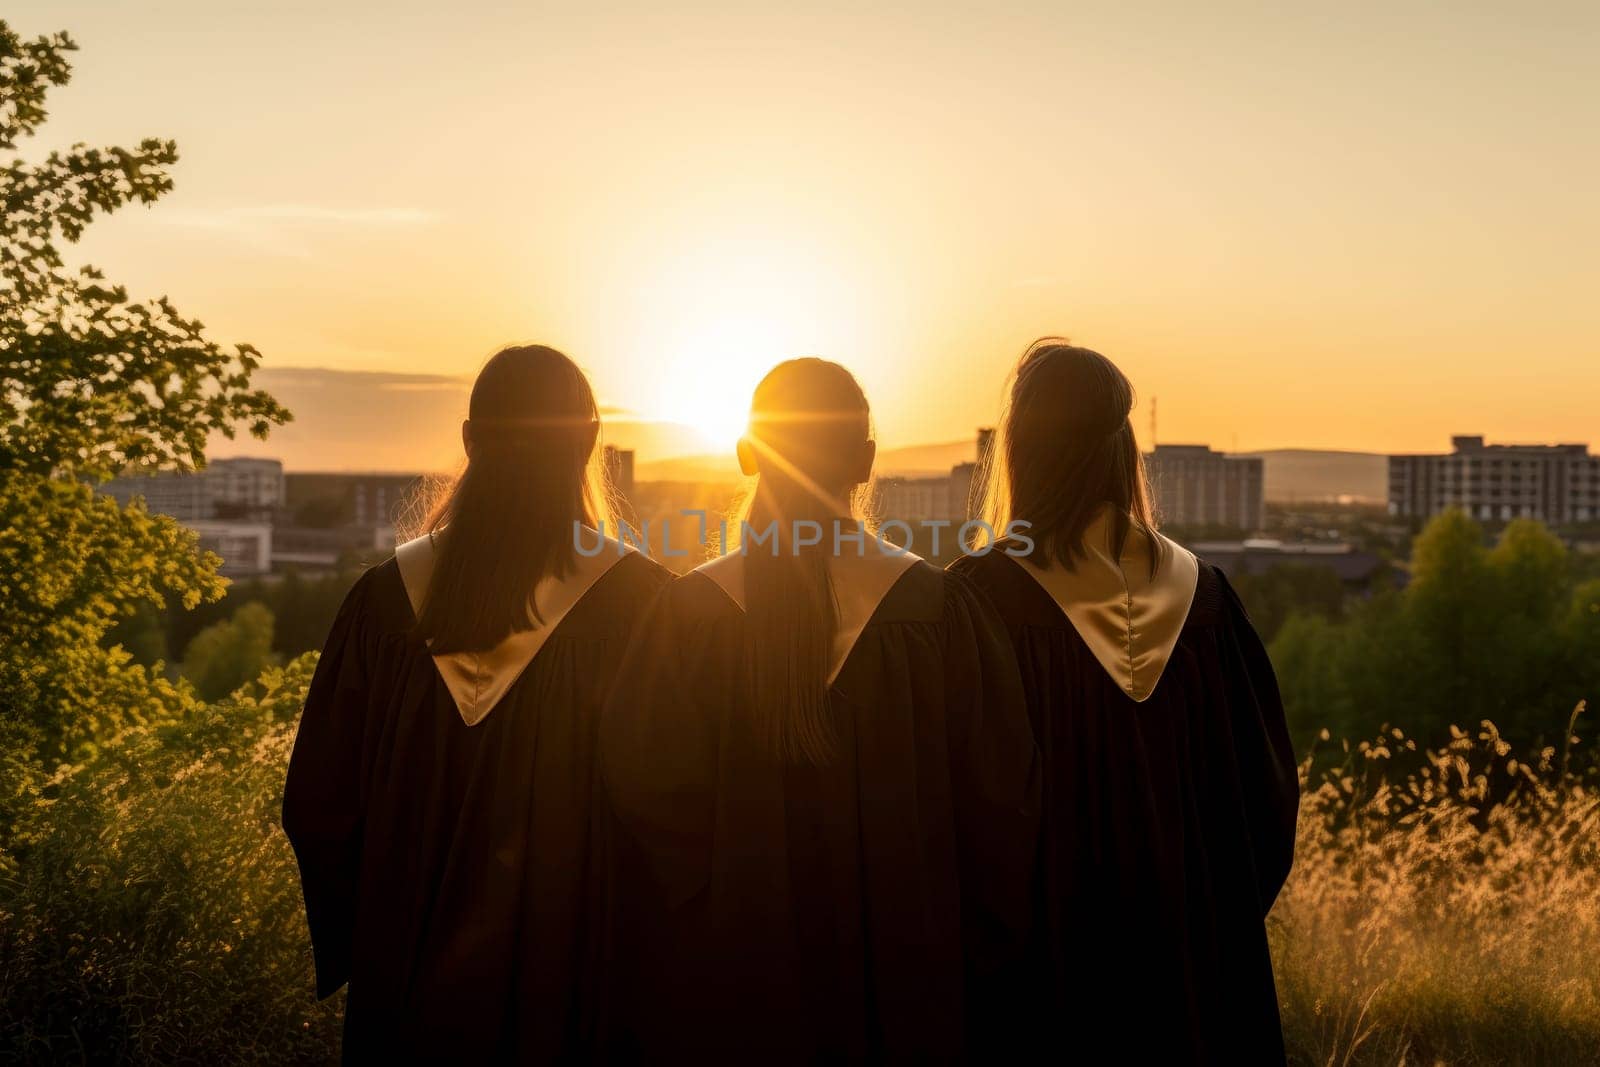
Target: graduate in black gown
column 440, row 797
column 823, row 779
column 1170, row 787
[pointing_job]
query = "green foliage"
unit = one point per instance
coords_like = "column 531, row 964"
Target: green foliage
column 1306, row 655
column 150, row 911
column 226, row 655
column 1582, row 623
column 143, row 634
column 303, row 610
column 91, row 382
column 1287, row 588
column 71, row 564
column 1479, row 633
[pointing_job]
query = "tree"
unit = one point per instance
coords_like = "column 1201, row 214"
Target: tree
column 1450, row 604
column 156, row 915
column 225, row 656
column 1307, row 658
column 1581, row 633
column 1479, row 633
column 71, row 564
column 92, row 383
column 1533, row 592
column 1286, row 589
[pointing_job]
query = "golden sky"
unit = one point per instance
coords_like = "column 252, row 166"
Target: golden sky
column 1350, row 226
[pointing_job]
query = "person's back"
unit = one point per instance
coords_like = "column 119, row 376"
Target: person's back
column 440, row 795
column 1170, row 788
column 852, row 889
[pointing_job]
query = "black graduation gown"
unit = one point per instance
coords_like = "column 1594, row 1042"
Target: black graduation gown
column 864, row 910
column 1168, row 829
column 449, row 870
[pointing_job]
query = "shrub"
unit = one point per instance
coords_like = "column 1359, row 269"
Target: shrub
column 1444, row 906
column 151, row 912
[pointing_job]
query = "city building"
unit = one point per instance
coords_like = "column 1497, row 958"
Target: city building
column 245, row 547
column 1195, row 486
column 331, row 516
column 1257, row 555
column 230, row 489
column 313, row 548
column 324, row 500
column 618, row 463
column 914, row 499
column 1552, row 483
column 964, row 478
column 938, row 496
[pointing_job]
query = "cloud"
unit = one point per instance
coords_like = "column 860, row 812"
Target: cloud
column 280, row 228
column 385, row 381
column 374, row 216
column 389, row 420
column 328, row 377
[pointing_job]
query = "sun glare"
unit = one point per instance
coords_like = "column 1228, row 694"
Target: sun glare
column 721, row 365
column 718, row 310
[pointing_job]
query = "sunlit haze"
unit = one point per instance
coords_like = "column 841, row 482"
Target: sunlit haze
column 1364, row 228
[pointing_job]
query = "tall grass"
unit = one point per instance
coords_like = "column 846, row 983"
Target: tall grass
column 151, row 911
column 1444, row 907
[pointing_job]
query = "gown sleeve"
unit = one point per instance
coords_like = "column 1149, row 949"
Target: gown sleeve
column 1270, row 780
column 996, row 781
column 324, row 794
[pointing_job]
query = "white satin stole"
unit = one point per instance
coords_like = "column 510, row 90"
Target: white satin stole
column 478, row 680
column 1129, row 619
column 859, row 583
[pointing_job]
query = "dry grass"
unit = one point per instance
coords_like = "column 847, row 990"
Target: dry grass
column 1444, row 907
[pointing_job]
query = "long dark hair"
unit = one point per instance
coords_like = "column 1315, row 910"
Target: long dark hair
column 809, row 424
column 507, row 520
column 1064, row 449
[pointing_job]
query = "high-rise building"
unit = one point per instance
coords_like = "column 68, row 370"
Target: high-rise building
column 618, row 463
column 370, row 501
column 1552, row 483
column 940, row 497
column 224, row 489
column 915, row 499
column 244, row 547
column 964, row 477
column 1195, row 486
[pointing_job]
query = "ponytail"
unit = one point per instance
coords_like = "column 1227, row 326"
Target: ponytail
column 807, row 417
column 507, row 520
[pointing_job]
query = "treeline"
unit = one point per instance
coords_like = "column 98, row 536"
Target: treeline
column 220, row 645
column 1506, row 630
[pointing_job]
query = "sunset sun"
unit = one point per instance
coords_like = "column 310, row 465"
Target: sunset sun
column 717, row 368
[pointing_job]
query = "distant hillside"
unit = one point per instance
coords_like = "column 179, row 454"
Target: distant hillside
column 724, row 468
column 1306, row 474
column 910, row 461
column 926, row 459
